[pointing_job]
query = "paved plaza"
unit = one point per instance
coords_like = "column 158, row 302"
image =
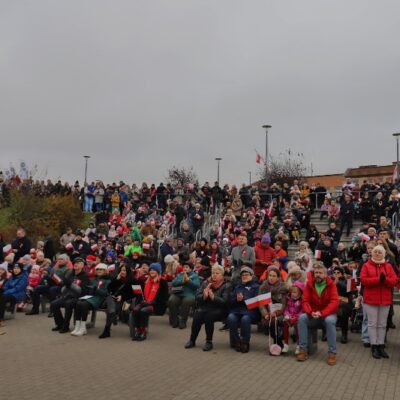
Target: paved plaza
column 39, row 364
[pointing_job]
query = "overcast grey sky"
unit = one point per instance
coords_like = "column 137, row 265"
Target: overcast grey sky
column 143, row 85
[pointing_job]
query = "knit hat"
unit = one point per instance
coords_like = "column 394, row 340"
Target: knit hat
column 91, row 257
column 101, row 266
column 266, row 239
column 246, row 269
column 169, row 258
column 156, row 267
column 78, row 259
column 63, row 257
column 299, row 285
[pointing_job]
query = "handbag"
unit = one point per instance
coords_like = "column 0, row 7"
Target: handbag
column 274, row 348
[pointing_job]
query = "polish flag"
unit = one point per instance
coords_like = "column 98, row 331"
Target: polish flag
column 146, row 246
column 260, row 300
column 69, row 246
column 318, row 254
column 56, row 279
column 137, row 289
column 258, row 158
column 94, row 247
column 111, row 268
column 7, row 249
column 350, row 285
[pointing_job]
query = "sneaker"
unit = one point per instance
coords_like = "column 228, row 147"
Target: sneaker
column 297, row 351
column 331, row 360
column 302, row 355
column 285, row 348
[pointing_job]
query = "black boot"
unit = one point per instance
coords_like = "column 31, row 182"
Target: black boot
column 106, row 333
column 375, row 351
column 343, row 339
column 382, row 352
column 136, row 335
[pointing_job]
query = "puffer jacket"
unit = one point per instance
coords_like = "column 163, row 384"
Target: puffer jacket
column 190, row 287
column 375, row 292
column 16, row 286
column 327, row 303
column 249, row 290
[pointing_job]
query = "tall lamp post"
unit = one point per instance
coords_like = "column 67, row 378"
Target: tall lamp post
column 250, row 177
column 266, row 127
column 218, row 159
column 397, row 135
column 86, row 162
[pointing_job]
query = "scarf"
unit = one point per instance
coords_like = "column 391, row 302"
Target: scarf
column 378, row 262
column 150, row 289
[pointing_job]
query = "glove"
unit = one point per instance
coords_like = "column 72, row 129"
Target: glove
column 382, row 277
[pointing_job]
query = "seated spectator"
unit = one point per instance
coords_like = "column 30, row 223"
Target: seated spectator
column 320, row 304
column 212, row 305
column 98, row 293
column 182, row 298
column 152, row 301
column 50, row 285
column 13, row 290
column 240, row 317
column 119, row 291
column 75, row 285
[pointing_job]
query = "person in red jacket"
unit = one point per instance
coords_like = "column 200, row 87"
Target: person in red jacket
column 320, row 304
column 264, row 255
column 378, row 279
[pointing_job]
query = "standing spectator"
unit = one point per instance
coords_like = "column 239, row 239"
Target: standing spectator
column 89, row 197
column 67, row 237
column 378, row 279
column 241, row 254
column 346, row 214
column 99, row 196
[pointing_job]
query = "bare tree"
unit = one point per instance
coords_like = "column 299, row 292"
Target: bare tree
column 181, row 176
column 287, row 167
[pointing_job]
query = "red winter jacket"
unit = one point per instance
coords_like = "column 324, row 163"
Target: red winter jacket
column 266, row 254
column 327, row 304
column 375, row 292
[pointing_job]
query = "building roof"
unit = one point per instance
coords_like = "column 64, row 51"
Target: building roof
column 369, row 170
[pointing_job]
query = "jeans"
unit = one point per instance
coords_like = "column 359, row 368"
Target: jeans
column 242, row 321
column 88, row 205
column 329, row 323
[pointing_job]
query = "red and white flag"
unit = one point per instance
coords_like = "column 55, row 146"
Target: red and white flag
column 94, row 247
column 258, row 301
column 137, row 289
column 364, row 237
column 100, row 284
column 111, row 268
column 69, row 246
column 350, row 285
column 56, row 279
column 259, row 158
column 318, row 254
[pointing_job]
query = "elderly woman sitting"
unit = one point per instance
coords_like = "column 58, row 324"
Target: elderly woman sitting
column 212, row 301
column 240, row 316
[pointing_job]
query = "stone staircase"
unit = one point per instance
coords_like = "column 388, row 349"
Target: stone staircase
column 323, row 226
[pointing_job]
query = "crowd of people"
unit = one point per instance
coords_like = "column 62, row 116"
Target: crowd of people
column 216, row 254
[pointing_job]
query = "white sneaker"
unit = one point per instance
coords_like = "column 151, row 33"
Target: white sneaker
column 77, row 328
column 82, row 331
column 297, row 351
column 285, row 348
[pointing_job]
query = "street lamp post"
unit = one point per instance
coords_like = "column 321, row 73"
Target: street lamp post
column 266, row 127
column 397, row 135
column 86, row 163
column 218, row 159
column 250, row 177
